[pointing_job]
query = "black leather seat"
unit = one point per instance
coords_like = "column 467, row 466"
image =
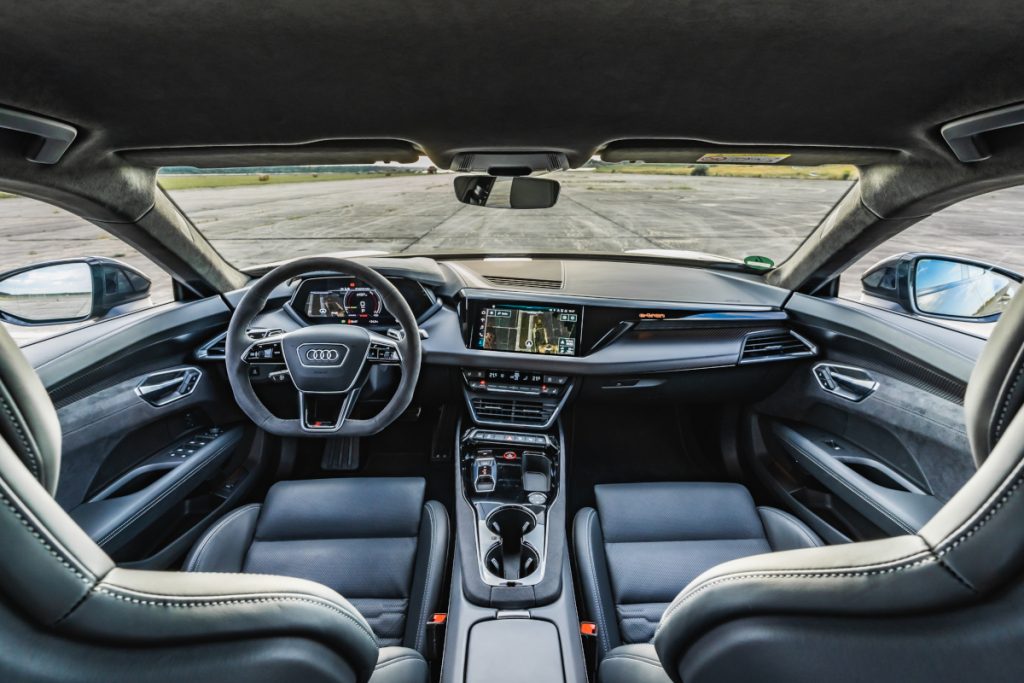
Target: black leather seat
column 943, row 604
column 645, row 542
column 372, row 540
column 67, row 613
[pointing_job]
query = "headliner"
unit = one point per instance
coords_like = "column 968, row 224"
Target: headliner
column 570, row 75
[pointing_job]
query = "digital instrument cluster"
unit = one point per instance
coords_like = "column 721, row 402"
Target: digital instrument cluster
column 344, row 300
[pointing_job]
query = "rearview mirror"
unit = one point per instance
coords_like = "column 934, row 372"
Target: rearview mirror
column 496, row 192
column 942, row 286
column 69, row 291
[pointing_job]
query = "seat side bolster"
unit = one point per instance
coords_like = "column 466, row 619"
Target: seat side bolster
column 892, row 576
column 224, row 545
column 636, row 663
column 144, row 607
column 588, row 544
column 400, row 665
column 786, row 532
column 431, row 562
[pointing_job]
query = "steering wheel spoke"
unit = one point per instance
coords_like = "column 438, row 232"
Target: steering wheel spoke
column 326, row 413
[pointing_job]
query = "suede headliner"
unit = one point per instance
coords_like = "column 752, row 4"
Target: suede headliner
column 570, row 75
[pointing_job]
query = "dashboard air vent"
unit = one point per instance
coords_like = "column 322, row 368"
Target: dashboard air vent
column 523, row 282
column 775, row 345
column 512, row 411
column 216, row 348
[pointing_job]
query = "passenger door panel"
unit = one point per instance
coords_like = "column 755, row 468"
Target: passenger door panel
column 875, row 451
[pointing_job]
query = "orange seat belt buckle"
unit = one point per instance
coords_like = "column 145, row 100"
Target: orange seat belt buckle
column 588, row 628
column 438, row 618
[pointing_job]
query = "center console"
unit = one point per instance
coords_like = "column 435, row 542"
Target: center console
column 512, row 614
column 509, row 478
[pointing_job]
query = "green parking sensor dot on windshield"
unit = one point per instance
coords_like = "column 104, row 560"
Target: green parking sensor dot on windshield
column 759, row 262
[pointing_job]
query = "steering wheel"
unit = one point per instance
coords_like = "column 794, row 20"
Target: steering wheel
column 328, row 364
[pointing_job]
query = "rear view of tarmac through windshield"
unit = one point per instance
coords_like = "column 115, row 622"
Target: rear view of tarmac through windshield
column 256, row 216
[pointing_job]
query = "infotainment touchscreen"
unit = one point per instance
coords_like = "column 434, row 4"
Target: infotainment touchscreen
column 529, row 328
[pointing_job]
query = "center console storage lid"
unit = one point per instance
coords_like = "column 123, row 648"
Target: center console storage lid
column 513, row 651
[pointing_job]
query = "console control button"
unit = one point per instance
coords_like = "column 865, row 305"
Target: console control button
column 483, row 475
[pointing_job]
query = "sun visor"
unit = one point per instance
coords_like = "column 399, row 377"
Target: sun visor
column 697, row 152
column 321, row 152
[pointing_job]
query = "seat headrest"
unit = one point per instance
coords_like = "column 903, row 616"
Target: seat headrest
column 996, row 389
column 28, row 421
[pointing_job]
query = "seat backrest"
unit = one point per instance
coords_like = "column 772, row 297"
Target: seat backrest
column 957, row 580
column 60, row 592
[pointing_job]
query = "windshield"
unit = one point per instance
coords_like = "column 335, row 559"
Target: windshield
column 254, row 216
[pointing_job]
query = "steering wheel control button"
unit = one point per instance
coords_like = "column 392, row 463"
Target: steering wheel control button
column 382, row 353
column 269, row 352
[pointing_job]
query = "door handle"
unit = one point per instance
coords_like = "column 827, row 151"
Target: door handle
column 168, row 386
column 845, row 381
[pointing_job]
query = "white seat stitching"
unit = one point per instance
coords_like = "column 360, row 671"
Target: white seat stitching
column 64, row 558
column 422, row 625
column 602, row 626
column 35, row 460
column 216, row 601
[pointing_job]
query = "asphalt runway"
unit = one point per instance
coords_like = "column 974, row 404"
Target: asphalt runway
column 734, row 217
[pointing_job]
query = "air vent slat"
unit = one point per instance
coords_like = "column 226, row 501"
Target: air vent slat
column 523, row 282
column 513, row 410
column 780, row 345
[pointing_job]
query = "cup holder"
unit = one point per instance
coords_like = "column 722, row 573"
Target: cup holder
column 511, row 558
column 512, row 566
column 511, row 521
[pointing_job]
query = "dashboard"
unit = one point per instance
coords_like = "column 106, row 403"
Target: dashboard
column 559, row 317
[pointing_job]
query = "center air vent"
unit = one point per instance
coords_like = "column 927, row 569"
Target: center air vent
column 775, row 345
column 523, row 282
column 512, row 411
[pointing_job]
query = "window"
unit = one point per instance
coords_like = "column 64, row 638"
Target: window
column 59, row 272
column 254, row 216
column 988, row 229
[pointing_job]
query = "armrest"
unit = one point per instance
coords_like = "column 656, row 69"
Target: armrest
column 112, row 520
column 895, row 510
column 147, row 607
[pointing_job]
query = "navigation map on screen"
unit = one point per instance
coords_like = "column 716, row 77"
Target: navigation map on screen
column 529, row 329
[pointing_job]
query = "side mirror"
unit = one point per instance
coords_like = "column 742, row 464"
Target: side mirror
column 67, row 291
column 520, row 192
column 943, row 286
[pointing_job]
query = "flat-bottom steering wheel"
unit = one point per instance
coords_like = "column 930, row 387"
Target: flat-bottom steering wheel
column 328, row 364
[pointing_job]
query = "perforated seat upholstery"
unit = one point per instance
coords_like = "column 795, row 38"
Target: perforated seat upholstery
column 645, row 542
column 372, row 540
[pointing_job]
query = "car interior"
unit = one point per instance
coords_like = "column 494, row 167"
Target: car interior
column 490, row 464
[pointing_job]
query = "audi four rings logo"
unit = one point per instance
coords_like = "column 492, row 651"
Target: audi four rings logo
column 322, row 355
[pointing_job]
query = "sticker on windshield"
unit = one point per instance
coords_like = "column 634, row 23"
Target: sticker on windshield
column 720, row 158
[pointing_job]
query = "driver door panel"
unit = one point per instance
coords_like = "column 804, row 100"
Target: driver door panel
column 153, row 443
